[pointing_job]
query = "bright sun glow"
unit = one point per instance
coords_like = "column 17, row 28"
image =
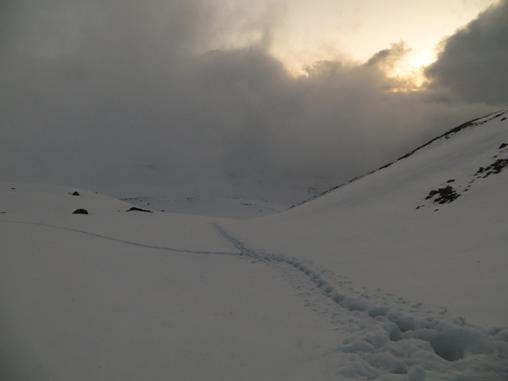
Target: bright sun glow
column 352, row 31
column 409, row 70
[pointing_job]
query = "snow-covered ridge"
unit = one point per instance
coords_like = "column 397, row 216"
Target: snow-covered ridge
column 501, row 115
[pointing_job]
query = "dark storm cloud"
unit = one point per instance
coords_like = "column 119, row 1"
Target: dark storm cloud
column 473, row 64
column 111, row 93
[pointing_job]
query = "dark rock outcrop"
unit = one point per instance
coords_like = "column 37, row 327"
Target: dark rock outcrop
column 135, row 209
column 444, row 195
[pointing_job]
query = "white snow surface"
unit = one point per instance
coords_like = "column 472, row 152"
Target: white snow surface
column 371, row 281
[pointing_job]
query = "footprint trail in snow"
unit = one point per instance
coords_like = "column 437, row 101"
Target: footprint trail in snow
column 384, row 341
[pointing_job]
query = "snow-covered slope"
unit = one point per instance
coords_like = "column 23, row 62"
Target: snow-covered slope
column 384, row 230
column 426, row 237
column 116, row 295
column 399, row 275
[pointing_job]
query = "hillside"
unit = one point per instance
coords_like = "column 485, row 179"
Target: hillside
column 442, row 204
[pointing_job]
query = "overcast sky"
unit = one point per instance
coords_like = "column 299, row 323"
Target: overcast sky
column 108, row 93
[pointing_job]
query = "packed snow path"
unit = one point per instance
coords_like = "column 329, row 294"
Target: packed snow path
column 386, row 341
column 124, row 241
column 387, row 338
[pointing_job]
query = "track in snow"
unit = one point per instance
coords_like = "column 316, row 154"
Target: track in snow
column 385, row 343
column 126, row 242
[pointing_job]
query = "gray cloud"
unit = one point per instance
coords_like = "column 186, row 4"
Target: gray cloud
column 474, row 61
column 115, row 94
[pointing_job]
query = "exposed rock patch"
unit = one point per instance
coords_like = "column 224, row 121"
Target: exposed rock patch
column 136, row 209
column 443, row 195
column 492, row 169
column 446, row 193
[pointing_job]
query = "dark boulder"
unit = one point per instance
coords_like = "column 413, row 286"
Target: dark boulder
column 80, row 211
column 135, row 209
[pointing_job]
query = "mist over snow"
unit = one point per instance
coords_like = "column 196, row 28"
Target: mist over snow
column 115, row 94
